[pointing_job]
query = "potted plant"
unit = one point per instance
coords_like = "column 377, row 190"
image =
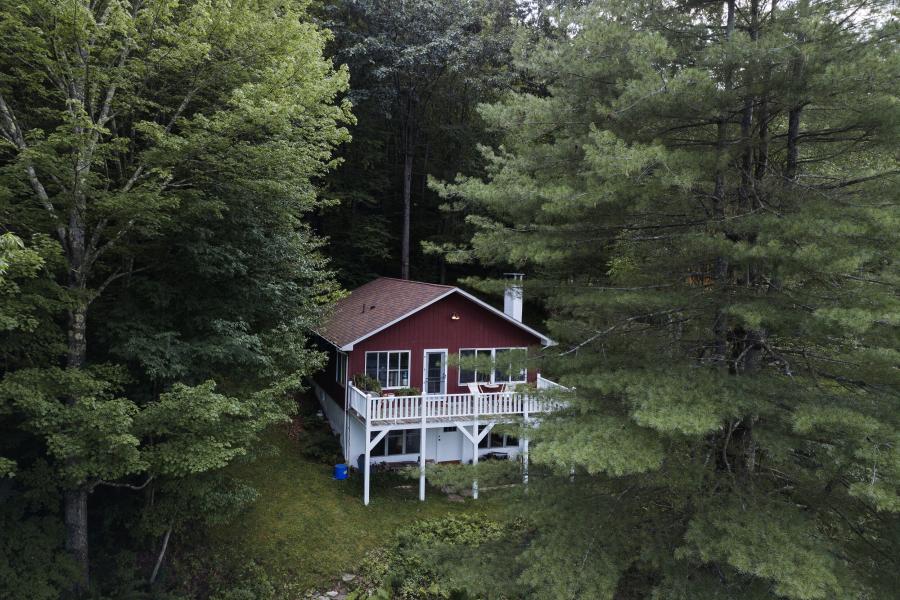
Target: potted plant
column 366, row 383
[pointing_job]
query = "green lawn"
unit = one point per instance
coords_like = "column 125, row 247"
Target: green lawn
column 311, row 528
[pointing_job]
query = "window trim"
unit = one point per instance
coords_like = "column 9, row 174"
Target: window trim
column 492, row 380
column 487, row 441
column 383, row 443
column 387, row 370
column 445, row 374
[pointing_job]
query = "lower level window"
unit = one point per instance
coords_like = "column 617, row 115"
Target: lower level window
column 497, row 440
column 400, row 441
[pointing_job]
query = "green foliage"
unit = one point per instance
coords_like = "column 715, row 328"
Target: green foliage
column 366, row 383
column 419, row 69
column 90, row 434
column 195, row 430
column 160, row 160
column 458, row 478
column 407, row 391
column 415, row 564
column 703, row 195
column 32, row 561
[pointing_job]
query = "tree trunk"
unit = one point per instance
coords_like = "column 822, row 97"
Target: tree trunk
column 407, row 208
column 793, row 148
column 720, row 270
column 162, row 554
column 77, row 340
column 746, row 190
column 77, row 534
column 75, row 500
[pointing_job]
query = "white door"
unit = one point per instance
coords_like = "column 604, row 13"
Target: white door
column 434, row 378
column 449, row 444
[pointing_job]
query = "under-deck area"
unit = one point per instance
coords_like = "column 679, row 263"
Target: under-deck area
column 431, row 417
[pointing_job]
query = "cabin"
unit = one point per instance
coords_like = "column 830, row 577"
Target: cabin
column 416, row 339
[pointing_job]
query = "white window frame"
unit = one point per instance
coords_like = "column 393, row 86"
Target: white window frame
column 388, row 369
column 524, row 372
column 492, row 380
column 340, row 368
column 487, row 442
column 459, row 370
column 405, row 435
column 445, row 360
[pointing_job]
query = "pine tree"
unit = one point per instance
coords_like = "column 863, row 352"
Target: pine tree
column 704, row 193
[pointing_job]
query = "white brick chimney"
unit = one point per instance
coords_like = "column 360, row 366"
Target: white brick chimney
column 512, row 297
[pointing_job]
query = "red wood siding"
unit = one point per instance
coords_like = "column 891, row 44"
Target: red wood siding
column 433, row 329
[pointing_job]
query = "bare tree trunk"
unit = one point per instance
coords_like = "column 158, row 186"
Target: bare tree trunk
column 793, row 149
column 162, row 554
column 77, row 533
column 77, row 349
column 76, row 500
column 407, row 209
column 747, row 180
column 720, row 269
column 762, row 153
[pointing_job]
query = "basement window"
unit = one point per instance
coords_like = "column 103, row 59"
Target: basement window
column 399, row 441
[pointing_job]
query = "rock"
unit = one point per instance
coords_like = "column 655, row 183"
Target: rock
column 348, row 577
column 331, row 594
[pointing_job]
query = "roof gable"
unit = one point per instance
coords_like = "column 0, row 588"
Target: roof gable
column 377, row 305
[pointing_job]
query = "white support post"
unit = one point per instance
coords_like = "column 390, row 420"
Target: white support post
column 367, row 467
column 525, row 444
column 475, row 438
column 476, row 398
column 345, row 434
column 422, row 447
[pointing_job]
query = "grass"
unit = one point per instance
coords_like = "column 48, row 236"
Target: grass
column 311, row 528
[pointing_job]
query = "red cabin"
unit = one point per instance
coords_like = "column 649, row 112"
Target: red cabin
column 407, row 336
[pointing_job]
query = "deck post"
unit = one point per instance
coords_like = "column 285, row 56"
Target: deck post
column 345, row 433
column 367, row 468
column 476, row 398
column 422, row 452
column 525, row 443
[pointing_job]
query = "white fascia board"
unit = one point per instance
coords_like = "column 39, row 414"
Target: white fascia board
column 349, row 347
column 544, row 339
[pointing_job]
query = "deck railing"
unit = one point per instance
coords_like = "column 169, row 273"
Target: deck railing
column 446, row 407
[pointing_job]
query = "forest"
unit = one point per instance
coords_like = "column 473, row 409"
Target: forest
column 702, row 195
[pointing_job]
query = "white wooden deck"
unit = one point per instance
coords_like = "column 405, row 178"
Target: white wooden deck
column 464, row 411
column 440, row 409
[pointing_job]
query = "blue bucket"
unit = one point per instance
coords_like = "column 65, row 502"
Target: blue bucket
column 340, row 472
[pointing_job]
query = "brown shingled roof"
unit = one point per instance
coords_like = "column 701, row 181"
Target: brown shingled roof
column 375, row 304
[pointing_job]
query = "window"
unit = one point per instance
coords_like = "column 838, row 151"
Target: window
column 400, row 441
column 503, row 365
column 391, row 369
column 340, row 368
column 497, row 440
column 501, row 358
column 474, row 375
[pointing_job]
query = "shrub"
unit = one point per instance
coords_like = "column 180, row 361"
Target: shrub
column 408, row 391
column 366, row 383
column 424, row 560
